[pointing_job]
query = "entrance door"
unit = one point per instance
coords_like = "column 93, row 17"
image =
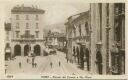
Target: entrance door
column 17, row 50
column 26, row 50
column 37, row 50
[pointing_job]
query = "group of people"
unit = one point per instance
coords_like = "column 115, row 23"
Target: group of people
column 34, row 64
column 51, row 64
column 81, row 55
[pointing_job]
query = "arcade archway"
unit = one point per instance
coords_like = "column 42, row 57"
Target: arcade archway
column 37, row 50
column 26, row 50
column 17, row 50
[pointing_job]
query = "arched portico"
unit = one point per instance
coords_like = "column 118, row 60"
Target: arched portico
column 26, row 50
column 17, row 50
column 37, row 50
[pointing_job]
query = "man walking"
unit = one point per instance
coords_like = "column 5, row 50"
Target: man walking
column 77, row 49
column 82, row 56
column 99, row 61
column 67, row 60
column 51, row 64
column 27, row 60
column 74, row 53
column 87, row 58
column 32, row 64
column 35, row 65
column 33, row 60
column 19, row 64
column 59, row 63
column 6, row 68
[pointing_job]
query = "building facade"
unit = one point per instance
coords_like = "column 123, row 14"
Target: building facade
column 26, row 30
column 78, row 34
column 107, row 38
column 7, row 41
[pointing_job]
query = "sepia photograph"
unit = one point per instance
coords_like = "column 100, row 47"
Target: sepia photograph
column 44, row 37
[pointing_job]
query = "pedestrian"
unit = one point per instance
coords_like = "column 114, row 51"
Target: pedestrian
column 74, row 53
column 87, row 58
column 67, row 60
column 51, row 64
column 59, row 63
column 27, row 60
column 19, row 64
column 5, row 71
column 33, row 60
column 82, row 52
column 32, row 65
column 99, row 61
column 6, row 68
column 35, row 65
column 77, row 49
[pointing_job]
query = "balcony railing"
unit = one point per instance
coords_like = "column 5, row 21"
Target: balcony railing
column 27, row 40
column 28, row 36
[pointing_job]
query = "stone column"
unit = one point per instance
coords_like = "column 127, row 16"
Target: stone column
column 12, row 49
column 93, row 38
column 32, row 47
column 104, row 38
column 111, row 32
column 22, row 49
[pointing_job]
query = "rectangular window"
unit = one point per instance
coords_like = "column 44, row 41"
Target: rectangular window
column 17, row 34
column 100, row 11
column 27, row 32
column 27, row 26
column 80, row 29
column 37, row 34
column 17, row 17
column 37, row 17
column 17, row 25
column 37, row 25
column 27, row 17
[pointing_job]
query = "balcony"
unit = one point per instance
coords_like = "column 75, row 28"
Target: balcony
column 27, row 36
column 27, row 39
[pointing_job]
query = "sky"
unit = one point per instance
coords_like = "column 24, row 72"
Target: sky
column 56, row 11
